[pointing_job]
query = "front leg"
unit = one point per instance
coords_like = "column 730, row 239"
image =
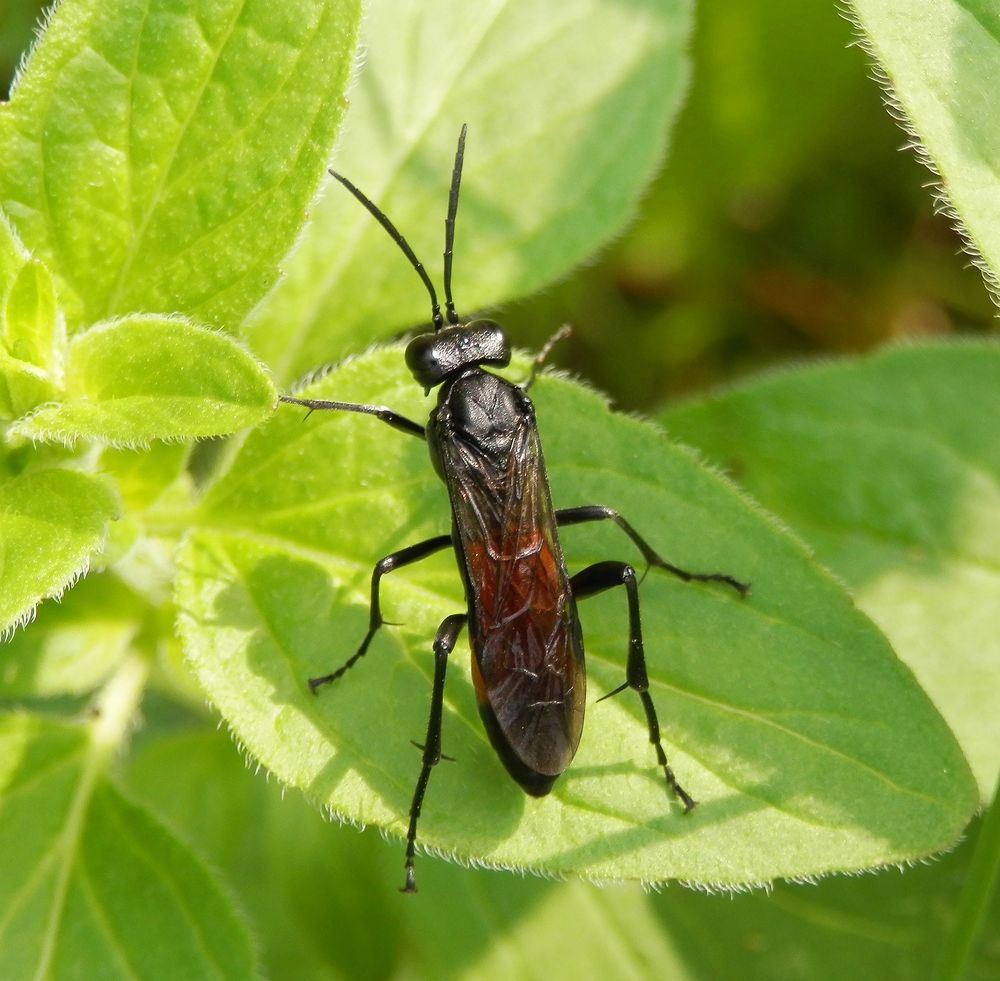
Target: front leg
column 404, row 557
column 387, row 416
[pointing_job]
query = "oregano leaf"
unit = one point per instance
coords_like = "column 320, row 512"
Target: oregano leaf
column 52, row 522
column 810, row 746
column 146, row 377
column 889, row 467
column 160, row 157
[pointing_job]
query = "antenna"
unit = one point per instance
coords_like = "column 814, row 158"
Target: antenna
column 449, row 225
column 394, row 234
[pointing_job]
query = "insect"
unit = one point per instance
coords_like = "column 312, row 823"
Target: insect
column 527, row 644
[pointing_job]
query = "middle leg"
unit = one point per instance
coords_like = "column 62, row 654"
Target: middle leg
column 598, row 512
column 405, row 556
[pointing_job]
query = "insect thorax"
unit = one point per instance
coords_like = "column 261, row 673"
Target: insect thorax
column 484, row 412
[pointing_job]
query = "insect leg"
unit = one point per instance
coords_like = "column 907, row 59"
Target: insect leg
column 405, row 556
column 387, row 416
column 598, row 512
column 605, row 575
column 444, row 643
column 560, row 335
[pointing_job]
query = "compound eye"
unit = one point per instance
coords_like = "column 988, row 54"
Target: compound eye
column 422, row 358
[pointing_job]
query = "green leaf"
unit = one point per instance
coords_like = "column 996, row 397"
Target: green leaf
column 147, row 377
column 22, row 386
column 160, row 157
column 31, row 335
column 72, row 645
column 940, row 75
column 91, row 885
column 33, row 329
column 297, row 872
column 565, row 127
column 13, row 255
column 306, row 873
column 150, row 477
column 890, row 468
column 891, row 925
column 51, row 523
column 809, row 745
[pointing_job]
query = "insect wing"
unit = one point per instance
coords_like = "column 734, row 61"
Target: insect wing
column 527, row 646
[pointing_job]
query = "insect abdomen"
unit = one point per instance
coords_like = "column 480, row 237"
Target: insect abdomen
column 527, row 646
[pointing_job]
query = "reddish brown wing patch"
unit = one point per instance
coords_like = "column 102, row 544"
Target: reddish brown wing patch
column 526, row 640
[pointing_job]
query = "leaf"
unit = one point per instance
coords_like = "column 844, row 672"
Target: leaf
column 149, row 477
column 564, row 130
column 32, row 324
column 30, row 329
column 51, row 524
column 22, row 386
column 160, row 157
column 890, row 468
column 90, row 884
column 72, row 645
column 940, row 77
column 809, row 745
column 307, row 873
column 13, row 255
column 891, row 925
column 149, row 377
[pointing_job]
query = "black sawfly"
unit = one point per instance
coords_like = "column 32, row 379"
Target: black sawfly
column 527, row 645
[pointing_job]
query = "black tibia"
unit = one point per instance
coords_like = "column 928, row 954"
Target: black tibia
column 444, row 643
column 405, row 556
column 598, row 512
column 605, row 575
column 387, row 416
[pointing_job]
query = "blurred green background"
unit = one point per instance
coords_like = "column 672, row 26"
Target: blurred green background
column 786, row 223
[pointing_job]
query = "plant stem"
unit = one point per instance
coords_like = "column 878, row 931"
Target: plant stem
column 974, row 903
column 114, row 710
column 116, row 705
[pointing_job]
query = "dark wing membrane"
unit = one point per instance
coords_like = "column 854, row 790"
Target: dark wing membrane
column 525, row 635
